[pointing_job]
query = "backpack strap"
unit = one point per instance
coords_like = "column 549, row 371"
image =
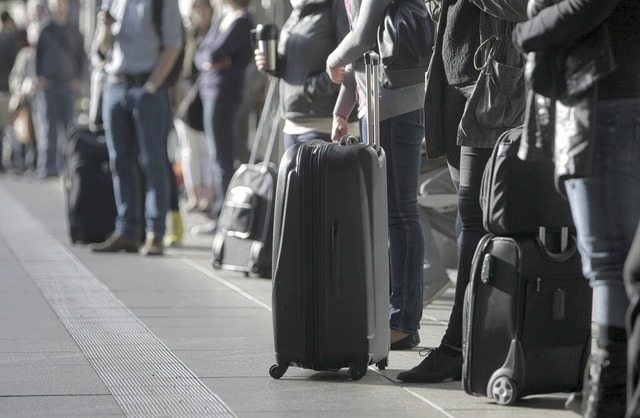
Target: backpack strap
column 156, row 6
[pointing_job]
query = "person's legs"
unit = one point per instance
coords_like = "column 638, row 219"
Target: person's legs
column 123, row 154
column 606, row 209
column 190, row 164
column 219, row 114
column 401, row 139
column 445, row 362
column 47, row 152
column 472, row 164
column 632, row 285
column 67, row 114
column 123, row 163
column 151, row 119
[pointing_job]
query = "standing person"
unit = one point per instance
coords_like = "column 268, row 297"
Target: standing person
column 401, row 133
column 453, row 75
column 60, row 62
column 194, row 153
column 604, row 200
column 312, row 31
column 24, row 81
column 222, row 58
column 136, row 113
column 9, row 46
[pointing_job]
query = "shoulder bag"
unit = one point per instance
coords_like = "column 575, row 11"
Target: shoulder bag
column 497, row 102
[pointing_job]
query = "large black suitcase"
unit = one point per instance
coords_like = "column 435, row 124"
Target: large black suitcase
column 244, row 234
column 527, row 319
column 331, row 264
column 90, row 202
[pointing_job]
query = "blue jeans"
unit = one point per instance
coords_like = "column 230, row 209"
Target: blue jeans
column 220, row 115
column 606, row 206
column 59, row 112
column 290, row 140
column 401, row 139
column 136, row 129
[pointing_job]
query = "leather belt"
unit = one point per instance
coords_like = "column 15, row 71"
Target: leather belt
column 128, row 78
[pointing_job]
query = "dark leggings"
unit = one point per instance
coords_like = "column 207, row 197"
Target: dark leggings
column 466, row 165
column 632, row 285
column 472, row 163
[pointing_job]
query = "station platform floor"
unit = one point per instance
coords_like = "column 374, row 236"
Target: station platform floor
column 121, row 335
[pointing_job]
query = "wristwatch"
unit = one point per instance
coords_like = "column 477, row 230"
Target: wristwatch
column 150, row 88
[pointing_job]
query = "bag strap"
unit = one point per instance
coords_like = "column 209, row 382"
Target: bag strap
column 486, row 52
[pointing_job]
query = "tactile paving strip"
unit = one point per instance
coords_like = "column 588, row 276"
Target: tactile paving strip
column 145, row 378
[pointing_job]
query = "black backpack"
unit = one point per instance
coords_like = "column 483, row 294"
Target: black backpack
column 176, row 71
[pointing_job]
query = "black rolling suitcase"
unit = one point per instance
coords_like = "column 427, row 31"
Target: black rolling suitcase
column 90, row 203
column 244, row 234
column 331, row 265
column 527, row 309
column 527, row 319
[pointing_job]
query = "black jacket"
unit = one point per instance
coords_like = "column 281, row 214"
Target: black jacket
column 569, row 20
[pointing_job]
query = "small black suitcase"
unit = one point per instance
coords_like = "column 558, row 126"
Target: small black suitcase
column 527, row 318
column 331, row 264
column 244, row 234
column 90, row 202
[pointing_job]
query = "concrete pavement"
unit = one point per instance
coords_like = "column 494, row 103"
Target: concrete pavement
column 92, row 335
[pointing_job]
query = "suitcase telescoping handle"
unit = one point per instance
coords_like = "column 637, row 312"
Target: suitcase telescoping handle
column 372, row 68
column 264, row 116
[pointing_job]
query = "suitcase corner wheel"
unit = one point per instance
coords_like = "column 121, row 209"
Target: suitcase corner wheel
column 502, row 388
column 278, row 370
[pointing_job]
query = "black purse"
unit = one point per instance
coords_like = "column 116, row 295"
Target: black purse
column 405, row 41
column 190, row 109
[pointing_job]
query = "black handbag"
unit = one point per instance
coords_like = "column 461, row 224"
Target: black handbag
column 190, row 109
column 405, row 41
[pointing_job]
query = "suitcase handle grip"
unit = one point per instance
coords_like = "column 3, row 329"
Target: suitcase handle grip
column 372, row 64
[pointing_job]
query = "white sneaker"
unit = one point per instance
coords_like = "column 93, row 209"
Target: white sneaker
column 205, row 229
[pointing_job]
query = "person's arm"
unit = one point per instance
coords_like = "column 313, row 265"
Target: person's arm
column 362, row 37
column 171, row 34
column 346, row 102
column 509, row 10
column 561, row 23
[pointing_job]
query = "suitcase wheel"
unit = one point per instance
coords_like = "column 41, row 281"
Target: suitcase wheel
column 382, row 364
column 217, row 265
column 277, row 371
column 503, row 390
column 357, row 372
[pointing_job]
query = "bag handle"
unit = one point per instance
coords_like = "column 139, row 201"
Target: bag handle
column 486, row 51
column 266, row 110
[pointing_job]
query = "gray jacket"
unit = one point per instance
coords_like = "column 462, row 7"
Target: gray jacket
column 312, row 31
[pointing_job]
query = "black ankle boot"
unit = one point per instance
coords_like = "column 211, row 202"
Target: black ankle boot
column 604, row 391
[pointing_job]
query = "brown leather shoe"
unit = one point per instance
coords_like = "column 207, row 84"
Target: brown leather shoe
column 153, row 245
column 116, row 243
